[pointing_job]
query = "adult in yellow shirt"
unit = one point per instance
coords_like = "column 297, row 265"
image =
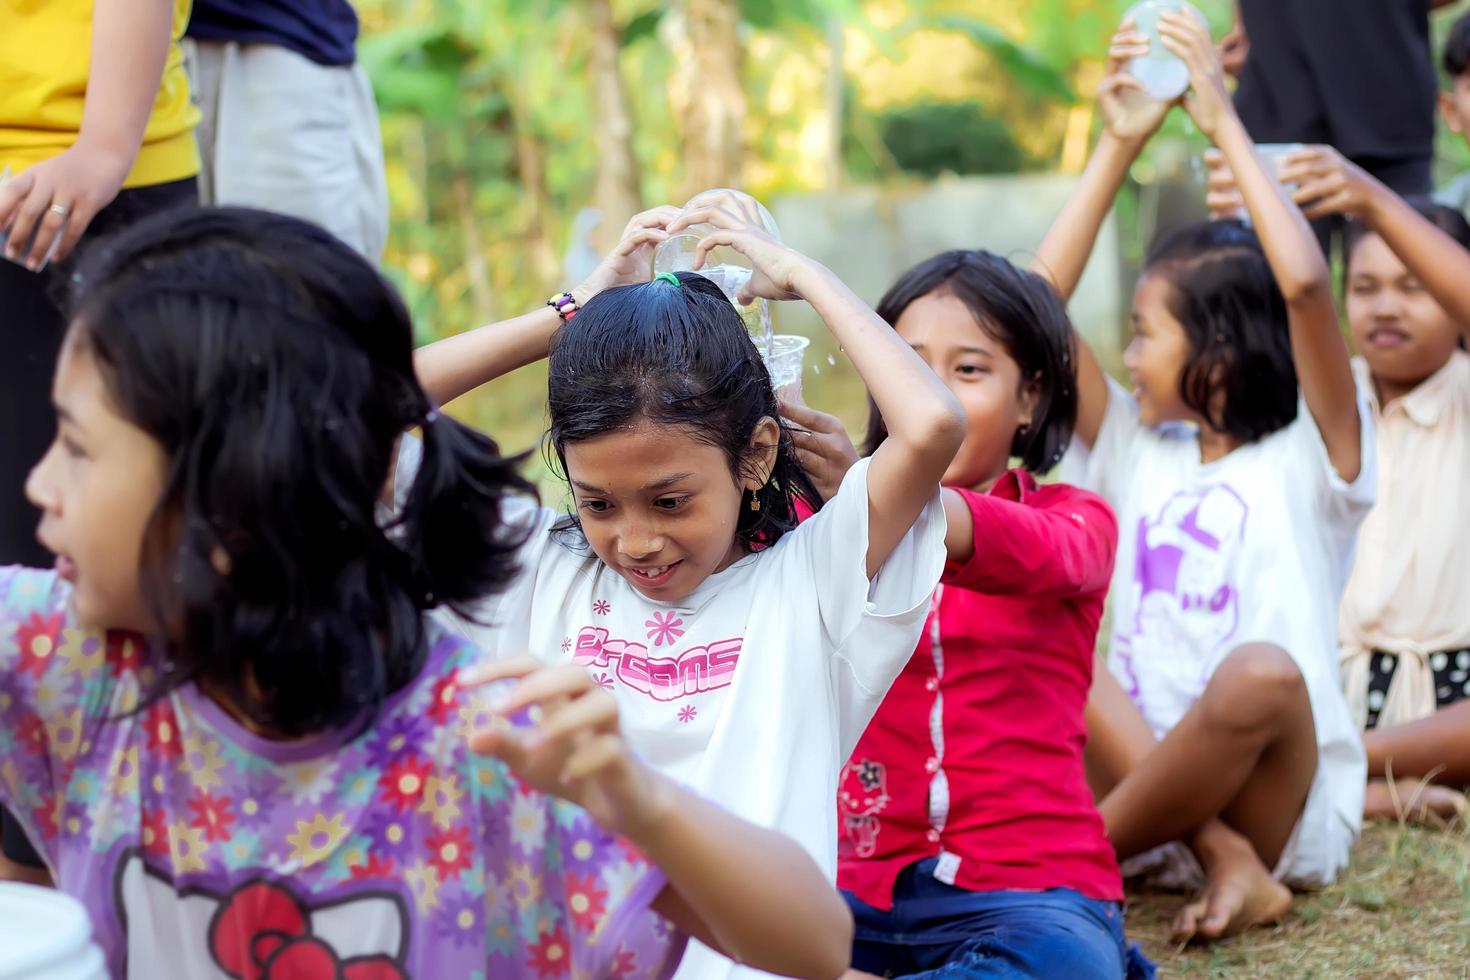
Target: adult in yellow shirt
column 96, row 131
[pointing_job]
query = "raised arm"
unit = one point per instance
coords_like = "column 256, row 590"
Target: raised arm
column 457, row 365
column 1296, row 260
column 1331, row 184
column 925, row 421
column 749, row 892
column 1130, row 118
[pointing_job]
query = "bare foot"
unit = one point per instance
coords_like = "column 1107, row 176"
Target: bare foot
column 1413, row 800
column 1239, row 891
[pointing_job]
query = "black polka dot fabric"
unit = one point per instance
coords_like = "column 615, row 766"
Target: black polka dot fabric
column 1451, row 679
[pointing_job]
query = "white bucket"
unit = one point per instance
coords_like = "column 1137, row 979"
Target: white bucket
column 45, row 935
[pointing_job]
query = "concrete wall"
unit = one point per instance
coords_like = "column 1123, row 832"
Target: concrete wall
column 869, row 235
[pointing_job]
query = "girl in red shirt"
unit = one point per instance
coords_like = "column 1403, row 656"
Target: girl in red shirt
column 970, row 844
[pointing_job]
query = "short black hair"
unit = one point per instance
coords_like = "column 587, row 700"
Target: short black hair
column 274, row 366
column 1456, row 58
column 1240, row 376
column 1449, row 220
column 1019, row 310
column 674, row 355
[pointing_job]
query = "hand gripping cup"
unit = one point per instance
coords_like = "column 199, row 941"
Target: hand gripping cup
column 728, row 269
column 1163, row 75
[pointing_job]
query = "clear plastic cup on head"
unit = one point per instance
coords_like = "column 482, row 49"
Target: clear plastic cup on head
column 724, row 266
column 1163, row 75
column 783, row 354
column 784, row 362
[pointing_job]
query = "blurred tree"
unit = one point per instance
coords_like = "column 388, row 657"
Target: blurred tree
column 707, row 91
column 617, row 194
column 503, row 119
column 934, row 138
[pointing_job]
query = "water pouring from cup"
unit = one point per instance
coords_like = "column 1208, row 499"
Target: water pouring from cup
column 729, row 270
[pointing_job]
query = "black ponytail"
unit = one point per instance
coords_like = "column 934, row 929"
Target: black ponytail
column 455, row 497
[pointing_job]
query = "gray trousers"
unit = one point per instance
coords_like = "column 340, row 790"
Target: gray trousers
column 281, row 132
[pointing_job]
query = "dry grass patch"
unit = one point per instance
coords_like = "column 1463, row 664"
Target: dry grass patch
column 1402, row 910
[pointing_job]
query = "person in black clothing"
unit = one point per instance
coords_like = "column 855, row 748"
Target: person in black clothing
column 1357, row 75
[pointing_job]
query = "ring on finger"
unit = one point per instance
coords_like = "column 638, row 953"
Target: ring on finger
column 61, row 209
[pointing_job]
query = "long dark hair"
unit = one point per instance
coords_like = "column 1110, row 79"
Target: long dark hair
column 275, row 368
column 680, row 356
column 1239, row 375
column 1019, row 310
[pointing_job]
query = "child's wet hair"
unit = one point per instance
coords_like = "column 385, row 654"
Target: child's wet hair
column 1239, row 375
column 1023, row 313
column 673, row 355
column 1447, row 219
column 275, row 368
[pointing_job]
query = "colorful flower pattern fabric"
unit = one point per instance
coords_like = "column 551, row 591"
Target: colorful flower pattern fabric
column 202, row 850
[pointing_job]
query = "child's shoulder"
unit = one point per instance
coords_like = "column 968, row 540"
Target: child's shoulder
column 1021, row 487
column 37, row 618
column 1057, row 492
column 1058, row 495
column 449, row 651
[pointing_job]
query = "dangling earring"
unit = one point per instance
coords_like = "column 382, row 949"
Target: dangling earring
column 755, row 501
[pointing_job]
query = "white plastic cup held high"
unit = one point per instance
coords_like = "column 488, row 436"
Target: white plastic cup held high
column 1163, row 75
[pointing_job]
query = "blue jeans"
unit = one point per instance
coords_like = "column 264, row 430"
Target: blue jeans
column 938, row 930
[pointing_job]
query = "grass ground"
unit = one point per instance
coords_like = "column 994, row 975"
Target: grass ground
column 1401, row 911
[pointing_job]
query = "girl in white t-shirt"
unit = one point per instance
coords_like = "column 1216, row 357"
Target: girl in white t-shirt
column 1220, row 723
column 746, row 653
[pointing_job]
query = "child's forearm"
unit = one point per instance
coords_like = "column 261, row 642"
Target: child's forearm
column 749, row 892
column 1439, row 262
column 1291, row 247
column 1317, row 346
column 1063, row 254
column 918, row 410
column 457, row 365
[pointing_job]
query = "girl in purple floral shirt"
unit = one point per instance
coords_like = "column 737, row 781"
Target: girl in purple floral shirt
column 225, row 719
